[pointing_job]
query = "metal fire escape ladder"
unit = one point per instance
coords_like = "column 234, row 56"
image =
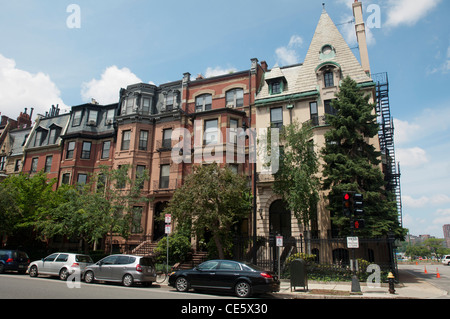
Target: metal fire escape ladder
column 386, row 137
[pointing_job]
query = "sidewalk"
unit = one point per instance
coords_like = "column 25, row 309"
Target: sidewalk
column 410, row 287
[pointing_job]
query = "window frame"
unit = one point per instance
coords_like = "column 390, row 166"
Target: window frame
column 86, row 154
column 203, row 105
column 125, row 143
column 279, row 123
column 232, row 98
column 70, row 151
column 143, row 142
column 207, row 132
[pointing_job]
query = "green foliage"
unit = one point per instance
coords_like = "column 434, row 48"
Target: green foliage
column 179, row 247
column 296, row 180
column 351, row 163
column 214, row 199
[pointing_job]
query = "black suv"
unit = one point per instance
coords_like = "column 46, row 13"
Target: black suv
column 13, row 260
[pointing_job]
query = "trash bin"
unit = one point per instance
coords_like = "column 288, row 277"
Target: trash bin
column 299, row 276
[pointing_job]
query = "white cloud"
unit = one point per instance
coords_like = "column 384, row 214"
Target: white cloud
column 405, row 131
column 436, row 200
column 444, row 67
column 106, row 90
column 288, row 55
column 408, row 12
column 211, row 72
column 411, row 157
column 20, row 89
column 443, row 217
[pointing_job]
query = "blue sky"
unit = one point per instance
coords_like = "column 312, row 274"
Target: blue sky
column 44, row 62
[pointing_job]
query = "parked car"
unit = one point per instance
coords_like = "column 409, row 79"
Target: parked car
column 446, row 260
column 127, row 269
column 60, row 264
column 244, row 279
column 16, row 260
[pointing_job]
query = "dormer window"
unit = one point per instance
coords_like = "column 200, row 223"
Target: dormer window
column 92, row 119
column 276, row 87
column 276, row 81
column 77, row 118
column 127, row 105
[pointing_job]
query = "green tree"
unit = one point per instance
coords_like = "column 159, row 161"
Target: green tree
column 296, row 180
column 351, row 163
column 211, row 198
column 103, row 206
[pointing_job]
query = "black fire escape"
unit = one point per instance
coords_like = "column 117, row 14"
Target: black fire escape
column 386, row 136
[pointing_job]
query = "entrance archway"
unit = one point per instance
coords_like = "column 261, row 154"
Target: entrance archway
column 280, row 219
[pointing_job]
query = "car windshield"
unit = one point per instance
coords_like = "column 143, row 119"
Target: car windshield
column 83, row 259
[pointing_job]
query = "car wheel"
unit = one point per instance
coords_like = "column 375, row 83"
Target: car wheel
column 243, row 289
column 33, row 271
column 89, row 277
column 127, row 280
column 182, row 284
column 63, row 274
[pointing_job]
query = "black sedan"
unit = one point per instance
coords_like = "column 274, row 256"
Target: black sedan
column 243, row 279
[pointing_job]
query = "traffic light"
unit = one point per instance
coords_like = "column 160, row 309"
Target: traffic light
column 358, row 224
column 358, row 205
column 347, row 203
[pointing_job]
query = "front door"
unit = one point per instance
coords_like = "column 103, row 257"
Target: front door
column 280, row 219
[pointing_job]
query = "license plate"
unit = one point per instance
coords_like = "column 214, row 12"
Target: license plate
column 21, row 266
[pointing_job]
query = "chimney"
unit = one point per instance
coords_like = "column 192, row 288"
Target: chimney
column 264, row 65
column 361, row 35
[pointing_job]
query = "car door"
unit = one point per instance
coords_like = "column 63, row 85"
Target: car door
column 226, row 274
column 47, row 264
column 104, row 269
column 202, row 275
column 120, row 267
column 59, row 262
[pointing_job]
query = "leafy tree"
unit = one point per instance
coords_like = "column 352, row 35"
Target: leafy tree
column 351, row 163
column 296, row 180
column 211, row 198
column 92, row 211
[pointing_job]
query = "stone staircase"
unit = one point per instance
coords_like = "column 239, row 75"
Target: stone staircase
column 146, row 248
column 197, row 259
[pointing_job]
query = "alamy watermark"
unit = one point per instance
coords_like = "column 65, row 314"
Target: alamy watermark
column 74, row 19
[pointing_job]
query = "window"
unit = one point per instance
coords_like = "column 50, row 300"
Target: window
column 62, row 258
column 232, row 137
column 34, row 164
column 210, row 135
column 136, row 220
column 40, row 137
column 2, row 163
column 235, row 98
column 105, row 149
column 275, row 87
column 167, row 138
column 140, row 171
column 169, row 102
column 143, row 140
column 110, row 117
column 276, row 117
column 126, row 136
column 82, row 179
column 92, row 119
column 328, row 78
column 328, row 108
column 51, row 257
column 17, row 165
column 54, row 134
column 127, row 106
column 86, row 151
column 65, row 179
column 203, row 102
column 146, row 106
column 314, row 113
column 70, row 150
column 48, row 164
column 77, row 118
column 164, row 176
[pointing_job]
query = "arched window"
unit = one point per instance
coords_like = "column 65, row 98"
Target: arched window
column 235, row 98
column 203, row 102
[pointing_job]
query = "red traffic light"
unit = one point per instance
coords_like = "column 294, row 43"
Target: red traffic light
column 346, row 196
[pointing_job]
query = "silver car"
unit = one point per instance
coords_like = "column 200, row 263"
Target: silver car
column 60, row 264
column 127, row 269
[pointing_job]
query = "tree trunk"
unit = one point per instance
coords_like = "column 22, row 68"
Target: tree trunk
column 219, row 245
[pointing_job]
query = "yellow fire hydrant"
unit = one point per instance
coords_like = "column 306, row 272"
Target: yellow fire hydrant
column 391, row 283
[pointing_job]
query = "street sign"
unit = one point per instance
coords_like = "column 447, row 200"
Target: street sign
column 168, row 229
column 352, row 242
column 168, row 218
column 279, row 240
